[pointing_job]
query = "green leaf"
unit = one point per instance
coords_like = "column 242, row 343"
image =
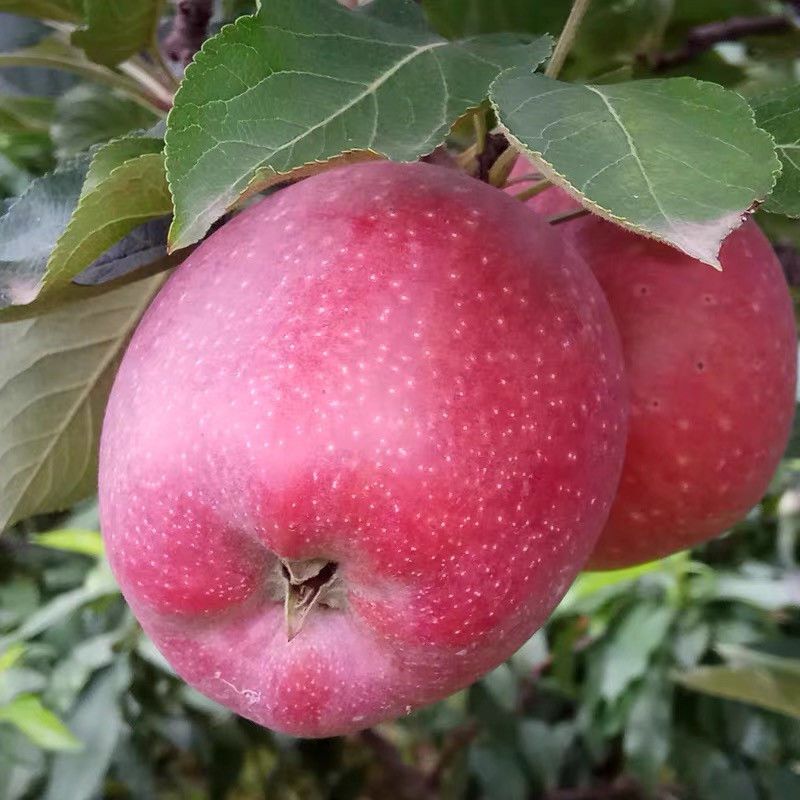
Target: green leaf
column 770, row 689
column 10, row 656
column 55, row 52
column 55, row 376
column 779, row 113
column 307, row 81
column 19, row 113
column 56, row 10
column 589, row 583
column 39, row 724
column 118, row 29
column 545, row 748
column 781, row 655
column 88, row 115
column 87, row 543
column 678, row 160
column 498, row 770
column 30, row 229
column 647, row 735
column 457, row 18
column 80, row 776
column 75, row 215
column 132, row 193
column 627, row 651
column 99, row 583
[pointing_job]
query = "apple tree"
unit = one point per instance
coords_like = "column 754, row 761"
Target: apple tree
column 642, row 141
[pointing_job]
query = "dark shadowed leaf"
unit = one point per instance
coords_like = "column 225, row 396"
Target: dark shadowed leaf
column 145, row 246
column 118, row 29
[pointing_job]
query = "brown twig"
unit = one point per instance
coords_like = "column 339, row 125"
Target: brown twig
column 189, row 29
column 704, row 37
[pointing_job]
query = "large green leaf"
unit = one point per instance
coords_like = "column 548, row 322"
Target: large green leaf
column 118, row 29
column 56, row 10
column 775, row 690
column 678, row 160
column 779, row 113
column 55, row 376
column 38, row 723
column 305, row 81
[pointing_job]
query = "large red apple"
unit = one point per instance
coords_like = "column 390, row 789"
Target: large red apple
column 711, row 361
column 360, row 445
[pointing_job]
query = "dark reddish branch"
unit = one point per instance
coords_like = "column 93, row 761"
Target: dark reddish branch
column 189, row 29
column 704, row 37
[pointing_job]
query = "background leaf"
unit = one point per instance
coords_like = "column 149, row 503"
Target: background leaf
column 118, row 29
column 58, row 10
column 54, row 380
column 771, row 689
column 38, row 723
column 88, row 115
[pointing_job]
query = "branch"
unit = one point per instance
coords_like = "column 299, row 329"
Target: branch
column 189, row 29
column 704, row 37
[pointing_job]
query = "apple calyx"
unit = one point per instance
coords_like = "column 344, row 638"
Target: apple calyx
column 306, row 585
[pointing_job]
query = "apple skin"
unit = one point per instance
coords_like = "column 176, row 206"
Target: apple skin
column 711, row 362
column 390, row 367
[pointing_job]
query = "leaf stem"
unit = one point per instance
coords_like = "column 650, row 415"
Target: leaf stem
column 532, row 191
column 501, row 169
column 567, row 38
column 567, row 216
column 479, row 121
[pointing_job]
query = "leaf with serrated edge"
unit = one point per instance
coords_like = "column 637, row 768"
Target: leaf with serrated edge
column 55, row 376
column 31, row 227
column 118, row 29
column 305, row 81
column 75, row 215
column 778, row 113
column 678, row 160
column 134, row 192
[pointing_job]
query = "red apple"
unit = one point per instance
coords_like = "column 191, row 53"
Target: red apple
column 360, row 445
column 711, row 362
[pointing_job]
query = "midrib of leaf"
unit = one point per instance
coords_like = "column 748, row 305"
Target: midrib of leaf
column 36, row 468
column 635, row 154
column 369, row 89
